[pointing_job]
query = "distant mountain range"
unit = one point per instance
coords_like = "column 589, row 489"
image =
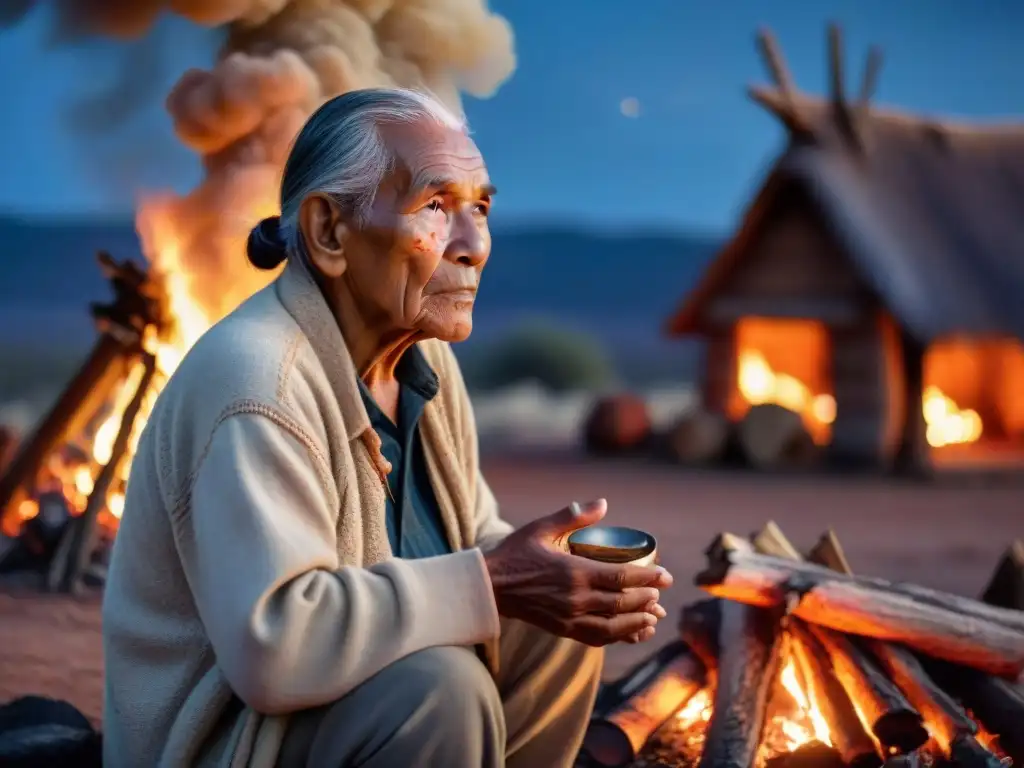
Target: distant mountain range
column 617, row 287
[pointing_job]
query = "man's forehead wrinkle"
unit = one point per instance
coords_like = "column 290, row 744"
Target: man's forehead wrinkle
column 432, row 175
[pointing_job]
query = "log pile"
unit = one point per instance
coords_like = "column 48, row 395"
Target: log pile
column 768, row 437
column 796, row 660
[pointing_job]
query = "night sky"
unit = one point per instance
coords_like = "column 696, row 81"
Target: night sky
column 682, row 152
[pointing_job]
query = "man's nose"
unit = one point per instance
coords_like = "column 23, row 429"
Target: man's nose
column 468, row 245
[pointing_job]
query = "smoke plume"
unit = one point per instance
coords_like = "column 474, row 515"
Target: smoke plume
column 281, row 60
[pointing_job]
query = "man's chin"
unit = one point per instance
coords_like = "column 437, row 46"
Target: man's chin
column 457, row 331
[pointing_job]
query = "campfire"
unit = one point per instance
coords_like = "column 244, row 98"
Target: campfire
column 796, row 661
column 63, row 492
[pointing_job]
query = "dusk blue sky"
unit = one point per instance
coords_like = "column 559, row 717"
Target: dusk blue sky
column 556, row 141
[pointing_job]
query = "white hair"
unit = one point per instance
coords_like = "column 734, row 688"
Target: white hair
column 341, row 153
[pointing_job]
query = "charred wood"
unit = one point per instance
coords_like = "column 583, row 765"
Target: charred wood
column 967, row 752
column 996, row 703
column 941, row 625
column 699, row 625
column 752, row 645
column 813, row 754
column 649, row 697
column 951, row 726
column 893, row 720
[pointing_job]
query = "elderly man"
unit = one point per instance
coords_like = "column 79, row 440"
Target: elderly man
column 311, row 570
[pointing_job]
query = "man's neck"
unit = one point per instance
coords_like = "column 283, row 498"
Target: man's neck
column 375, row 349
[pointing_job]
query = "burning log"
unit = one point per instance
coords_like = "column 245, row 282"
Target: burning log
column 772, row 436
column 649, row 695
column 751, row 646
column 1006, row 588
column 829, row 553
column 78, row 542
column 950, row 725
column 892, row 719
column 138, row 306
column 999, row 705
column 78, row 404
column 851, row 741
column 941, row 625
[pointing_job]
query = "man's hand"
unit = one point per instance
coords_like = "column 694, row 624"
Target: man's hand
column 537, row 581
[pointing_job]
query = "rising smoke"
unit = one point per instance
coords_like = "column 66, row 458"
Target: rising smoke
column 282, row 59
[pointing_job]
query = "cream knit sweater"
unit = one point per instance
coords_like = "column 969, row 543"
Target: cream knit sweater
column 252, row 574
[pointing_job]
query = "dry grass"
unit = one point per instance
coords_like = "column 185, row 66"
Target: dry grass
column 948, row 536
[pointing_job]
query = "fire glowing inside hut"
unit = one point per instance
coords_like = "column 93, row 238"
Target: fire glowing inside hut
column 866, row 289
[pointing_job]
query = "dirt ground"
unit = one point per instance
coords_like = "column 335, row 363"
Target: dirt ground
column 947, row 535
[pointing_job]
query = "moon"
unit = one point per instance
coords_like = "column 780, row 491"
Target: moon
column 630, row 107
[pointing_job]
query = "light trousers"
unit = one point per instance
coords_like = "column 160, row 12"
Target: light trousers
column 441, row 708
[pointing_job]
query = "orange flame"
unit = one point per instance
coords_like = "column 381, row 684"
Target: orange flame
column 947, row 423
column 760, row 385
column 805, row 722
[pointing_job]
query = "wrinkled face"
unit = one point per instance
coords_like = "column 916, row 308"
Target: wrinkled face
column 414, row 264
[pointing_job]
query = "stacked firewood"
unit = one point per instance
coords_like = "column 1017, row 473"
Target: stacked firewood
column 767, row 437
column 890, row 674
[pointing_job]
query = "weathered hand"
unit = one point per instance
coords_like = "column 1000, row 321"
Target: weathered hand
column 536, row 580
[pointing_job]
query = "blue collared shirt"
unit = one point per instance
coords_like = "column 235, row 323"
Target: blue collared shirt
column 412, row 515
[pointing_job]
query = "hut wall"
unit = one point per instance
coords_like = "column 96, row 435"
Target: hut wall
column 793, row 268
column 719, row 368
column 870, row 392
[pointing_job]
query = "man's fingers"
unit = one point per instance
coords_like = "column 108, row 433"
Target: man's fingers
column 572, row 518
column 602, row 630
column 627, row 601
column 618, row 577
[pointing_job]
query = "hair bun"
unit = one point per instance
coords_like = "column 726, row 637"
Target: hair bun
column 266, row 247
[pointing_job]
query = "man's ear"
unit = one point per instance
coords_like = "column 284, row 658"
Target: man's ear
column 325, row 233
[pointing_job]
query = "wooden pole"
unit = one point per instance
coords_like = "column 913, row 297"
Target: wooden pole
column 913, row 457
column 66, row 571
column 869, row 81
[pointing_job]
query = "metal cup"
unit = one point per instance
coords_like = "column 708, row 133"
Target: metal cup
column 614, row 544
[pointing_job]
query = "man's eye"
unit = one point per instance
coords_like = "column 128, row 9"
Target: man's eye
column 435, row 205
column 482, row 208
